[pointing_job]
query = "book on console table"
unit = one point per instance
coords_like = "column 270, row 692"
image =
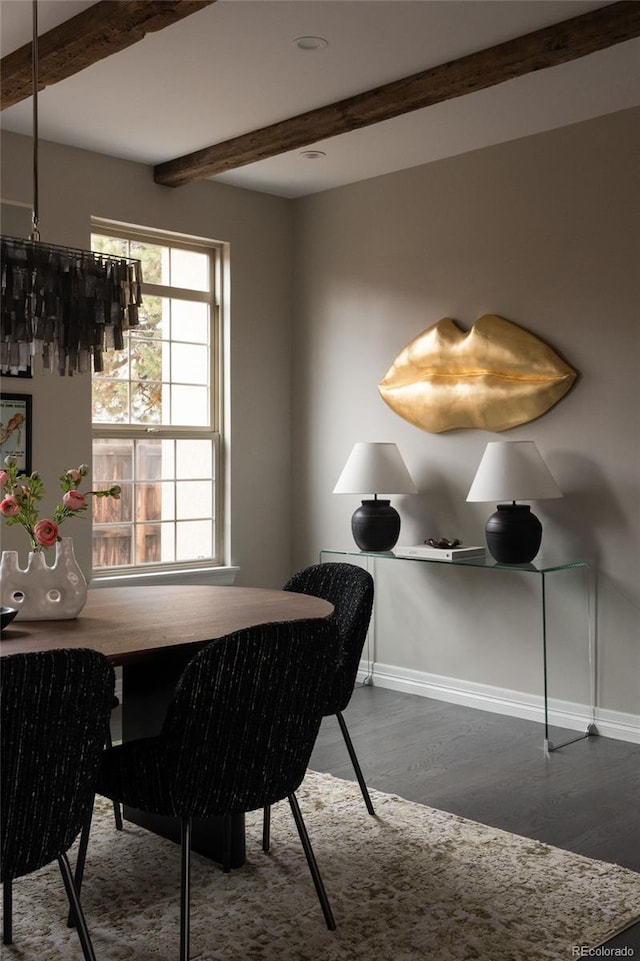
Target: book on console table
column 426, row 552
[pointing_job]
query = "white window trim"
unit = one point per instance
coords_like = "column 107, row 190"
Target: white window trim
column 195, row 572
column 220, row 575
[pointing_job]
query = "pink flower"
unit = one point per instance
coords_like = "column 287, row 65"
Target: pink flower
column 46, row 533
column 9, row 506
column 73, row 500
column 20, row 496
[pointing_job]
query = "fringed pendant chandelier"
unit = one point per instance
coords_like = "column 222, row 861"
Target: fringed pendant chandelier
column 60, row 304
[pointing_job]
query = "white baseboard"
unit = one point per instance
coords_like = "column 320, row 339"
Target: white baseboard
column 565, row 714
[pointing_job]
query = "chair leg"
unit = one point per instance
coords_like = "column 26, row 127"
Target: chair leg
column 226, row 843
column 266, row 829
column 117, row 813
column 354, row 761
column 185, row 886
column 311, row 861
column 76, row 908
column 80, row 863
column 7, row 904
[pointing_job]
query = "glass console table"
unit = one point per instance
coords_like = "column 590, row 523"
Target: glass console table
column 542, row 568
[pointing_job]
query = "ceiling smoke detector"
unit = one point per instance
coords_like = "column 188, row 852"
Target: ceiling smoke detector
column 311, row 43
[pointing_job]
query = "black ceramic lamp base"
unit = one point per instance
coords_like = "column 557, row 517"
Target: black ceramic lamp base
column 375, row 526
column 513, row 534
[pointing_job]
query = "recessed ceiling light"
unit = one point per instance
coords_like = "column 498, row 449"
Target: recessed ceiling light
column 311, row 43
column 312, row 154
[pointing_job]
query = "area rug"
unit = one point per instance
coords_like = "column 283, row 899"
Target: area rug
column 410, row 884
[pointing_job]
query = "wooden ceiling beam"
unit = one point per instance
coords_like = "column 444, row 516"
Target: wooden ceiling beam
column 548, row 47
column 97, row 32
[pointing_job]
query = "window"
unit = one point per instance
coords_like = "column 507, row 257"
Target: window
column 155, row 412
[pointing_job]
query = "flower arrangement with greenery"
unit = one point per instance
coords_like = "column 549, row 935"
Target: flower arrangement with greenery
column 21, row 493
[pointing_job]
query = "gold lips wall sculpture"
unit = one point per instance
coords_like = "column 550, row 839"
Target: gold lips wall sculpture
column 493, row 377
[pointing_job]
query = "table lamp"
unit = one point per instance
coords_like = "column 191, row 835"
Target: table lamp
column 513, row 471
column 376, row 469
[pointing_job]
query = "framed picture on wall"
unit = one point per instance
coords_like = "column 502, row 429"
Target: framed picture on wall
column 15, row 429
column 18, row 373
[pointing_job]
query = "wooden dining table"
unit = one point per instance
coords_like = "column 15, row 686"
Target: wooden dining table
column 151, row 633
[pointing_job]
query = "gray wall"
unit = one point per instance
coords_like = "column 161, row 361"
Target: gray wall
column 544, row 232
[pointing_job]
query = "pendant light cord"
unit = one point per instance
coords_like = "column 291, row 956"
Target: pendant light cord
column 35, row 217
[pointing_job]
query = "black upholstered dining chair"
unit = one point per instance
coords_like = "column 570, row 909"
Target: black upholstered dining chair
column 237, row 736
column 55, row 708
column 350, row 589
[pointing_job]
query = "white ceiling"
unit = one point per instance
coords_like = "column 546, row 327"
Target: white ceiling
column 233, row 67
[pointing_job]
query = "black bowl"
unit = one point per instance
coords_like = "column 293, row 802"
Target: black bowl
column 8, row 614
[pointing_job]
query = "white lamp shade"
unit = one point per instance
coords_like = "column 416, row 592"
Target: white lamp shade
column 512, row 471
column 375, row 469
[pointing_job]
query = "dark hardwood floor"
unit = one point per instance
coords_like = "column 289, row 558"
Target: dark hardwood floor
column 490, row 768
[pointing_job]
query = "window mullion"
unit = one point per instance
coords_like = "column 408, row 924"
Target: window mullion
column 177, row 293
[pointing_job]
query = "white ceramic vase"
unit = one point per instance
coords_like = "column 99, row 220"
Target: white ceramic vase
column 40, row 592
